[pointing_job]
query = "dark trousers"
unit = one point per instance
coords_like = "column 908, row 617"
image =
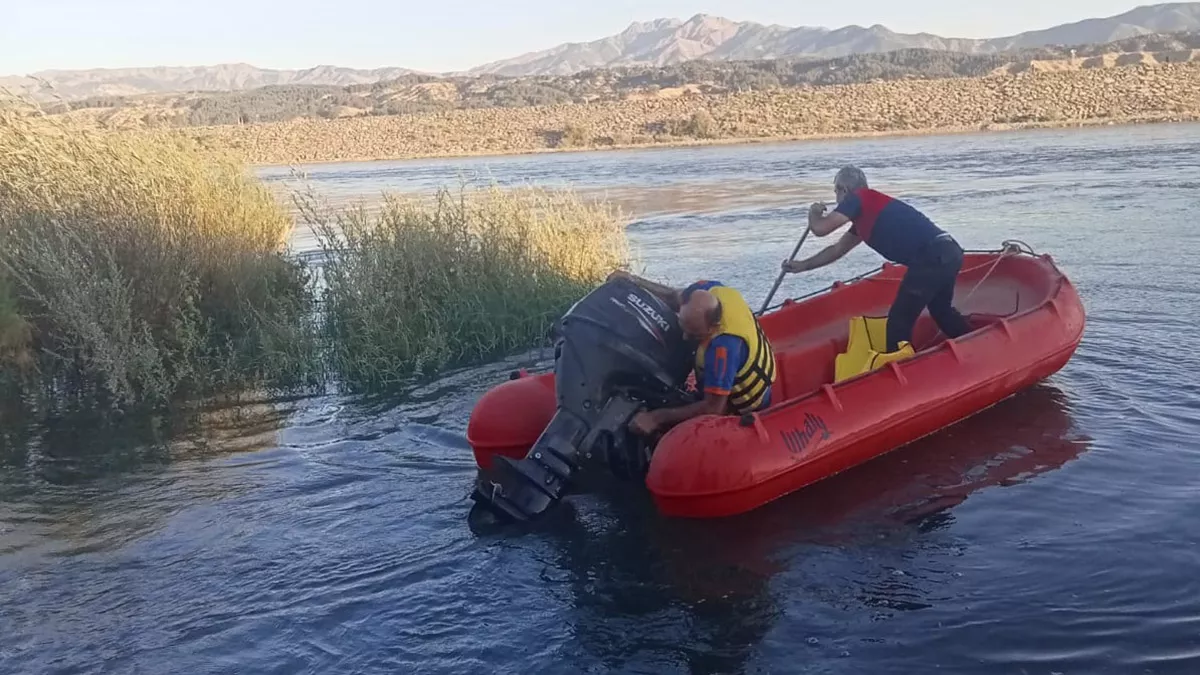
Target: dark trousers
column 929, row 282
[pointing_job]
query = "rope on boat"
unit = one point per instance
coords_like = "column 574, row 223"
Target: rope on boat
column 1007, row 247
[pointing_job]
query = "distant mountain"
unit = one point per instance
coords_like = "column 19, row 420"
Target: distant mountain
column 671, row 41
column 663, row 42
column 1145, row 20
column 77, row 84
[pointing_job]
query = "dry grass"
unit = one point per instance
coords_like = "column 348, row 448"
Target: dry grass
column 142, row 270
column 428, row 283
column 142, row 267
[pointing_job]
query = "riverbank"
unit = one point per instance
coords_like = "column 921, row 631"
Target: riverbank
column 1122, row 95
column 1172, row 118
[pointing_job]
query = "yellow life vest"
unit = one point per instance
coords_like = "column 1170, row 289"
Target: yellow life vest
column 758, row 372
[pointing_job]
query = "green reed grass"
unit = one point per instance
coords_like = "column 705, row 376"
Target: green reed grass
column 421, row 284
column 138, row 268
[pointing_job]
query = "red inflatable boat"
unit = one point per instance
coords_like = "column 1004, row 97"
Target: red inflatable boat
column 837, row 403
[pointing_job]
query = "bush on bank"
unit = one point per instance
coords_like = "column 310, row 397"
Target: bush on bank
column 421, row 284
column 138, row 269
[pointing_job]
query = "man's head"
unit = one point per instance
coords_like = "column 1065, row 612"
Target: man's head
column 699, row 315
column 848, row 179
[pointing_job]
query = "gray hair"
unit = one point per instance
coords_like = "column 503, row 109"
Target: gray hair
column 850, row 178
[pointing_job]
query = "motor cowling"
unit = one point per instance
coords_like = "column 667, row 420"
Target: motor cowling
column 619, row 349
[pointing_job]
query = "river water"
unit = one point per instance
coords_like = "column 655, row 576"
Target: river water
column 1054, row 533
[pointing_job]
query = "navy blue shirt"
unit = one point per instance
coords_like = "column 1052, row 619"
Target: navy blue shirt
column 893, row 228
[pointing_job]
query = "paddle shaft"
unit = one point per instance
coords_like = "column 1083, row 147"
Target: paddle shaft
column 783, row 273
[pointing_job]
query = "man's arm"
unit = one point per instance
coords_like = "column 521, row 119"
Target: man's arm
column 665, row 418
column 846, row 211
column 822, row 225
column 672, row 296
column 723, row 358
column 829, row 254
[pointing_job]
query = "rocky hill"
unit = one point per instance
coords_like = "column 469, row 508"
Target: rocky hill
column 1136, row 93
column 418, row 94
column 660, row 43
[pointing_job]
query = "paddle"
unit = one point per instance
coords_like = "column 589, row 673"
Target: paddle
column 782, row 273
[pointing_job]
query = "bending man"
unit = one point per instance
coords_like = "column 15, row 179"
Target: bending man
column 901, row 234
column 735, row 365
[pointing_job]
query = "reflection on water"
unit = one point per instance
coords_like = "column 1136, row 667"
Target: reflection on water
column 87, row 482
column 635, row 203
column 635, row 578
column 704, row 198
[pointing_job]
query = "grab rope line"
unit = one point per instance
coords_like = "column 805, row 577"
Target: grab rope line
column 1008, row 248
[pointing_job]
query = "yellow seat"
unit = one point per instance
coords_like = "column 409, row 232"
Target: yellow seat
column 864, row 351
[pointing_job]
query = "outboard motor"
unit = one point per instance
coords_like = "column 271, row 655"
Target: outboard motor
column 619, row 350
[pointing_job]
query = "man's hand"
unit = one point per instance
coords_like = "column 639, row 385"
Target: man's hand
column 669, row 295
column 816, row 210
column 795, row 266
column 645, row 423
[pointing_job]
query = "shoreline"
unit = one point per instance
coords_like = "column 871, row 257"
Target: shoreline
column 685, row 143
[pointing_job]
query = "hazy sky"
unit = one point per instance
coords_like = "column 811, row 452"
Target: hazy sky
column 438, row 35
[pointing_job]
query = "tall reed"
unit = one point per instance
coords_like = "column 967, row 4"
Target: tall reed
column 135, row 269
column 425, row 283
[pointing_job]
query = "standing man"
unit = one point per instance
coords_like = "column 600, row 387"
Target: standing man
column 901, row 234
